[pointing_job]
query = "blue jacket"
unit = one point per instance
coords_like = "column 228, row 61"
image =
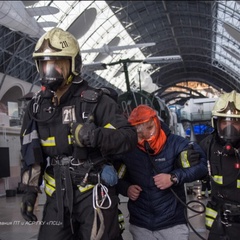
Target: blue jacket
column 157, row 209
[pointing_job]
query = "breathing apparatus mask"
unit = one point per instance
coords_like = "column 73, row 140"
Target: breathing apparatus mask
column 147, row 134
column 229, row 129
column 151, row 137
column 51, row 75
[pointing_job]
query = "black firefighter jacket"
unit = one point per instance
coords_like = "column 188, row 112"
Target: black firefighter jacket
column 113, row 134
column 225, row 171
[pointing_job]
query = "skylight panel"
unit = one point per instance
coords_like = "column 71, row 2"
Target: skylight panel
column 105, row 28
column 228, row 12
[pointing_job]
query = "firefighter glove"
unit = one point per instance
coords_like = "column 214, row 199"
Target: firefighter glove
column 28, row 202
column 83, row 134
column 193, row 156
column 188, row 158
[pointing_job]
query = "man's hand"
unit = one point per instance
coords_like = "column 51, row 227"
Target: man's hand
column 133, row 192
column 83, row 134
column 27, row 204
column 163, row 181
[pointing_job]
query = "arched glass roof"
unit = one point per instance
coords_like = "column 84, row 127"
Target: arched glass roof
column 206, row 34
column 95, row 25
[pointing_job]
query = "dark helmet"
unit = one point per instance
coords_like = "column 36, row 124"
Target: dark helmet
column 55, row 45
column 226, row 116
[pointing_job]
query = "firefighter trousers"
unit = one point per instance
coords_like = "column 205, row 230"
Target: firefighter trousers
column 225, row 233
column 82, row 218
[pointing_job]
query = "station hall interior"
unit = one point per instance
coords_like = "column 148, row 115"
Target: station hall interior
column 176, row 56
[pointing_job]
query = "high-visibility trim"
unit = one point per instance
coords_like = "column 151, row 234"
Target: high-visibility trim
column 238, row 183
column 49, row 190
column 211, row 212
column 70, row 137
column 121, row 221
column 121, row 171
column 49, row 142
column 218, row 179
column 29, row 137
column 184, row 160
column 209, row 222
column 110, row 126
column 120, row 217
column 50, row 180
column 86, row 188
column 122, row 226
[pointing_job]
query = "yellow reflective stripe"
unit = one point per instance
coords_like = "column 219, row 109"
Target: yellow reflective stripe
column 110, row 126
column 49, row 180
column 86, row 188
column 49, row 142
column 211, row 212
column 209, row 222
column 122, row 225
column 49, row 190
column 70, row 137
column 122, row 171
column 120, row 217
column 184, row 160
column 218, row 179
column 238, row 183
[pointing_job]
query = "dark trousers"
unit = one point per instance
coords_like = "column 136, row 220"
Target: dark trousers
column 206, row 185
column 225, row 233
column 82, row 217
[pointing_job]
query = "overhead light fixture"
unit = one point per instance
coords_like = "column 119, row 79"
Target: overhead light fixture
column 232, row 30
column 163, row 59
column 94, row 66
column 108, row 50
column 151, row 60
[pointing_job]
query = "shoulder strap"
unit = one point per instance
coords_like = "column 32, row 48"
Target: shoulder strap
column 110, row 92
column 90, row 99
column 209, row 143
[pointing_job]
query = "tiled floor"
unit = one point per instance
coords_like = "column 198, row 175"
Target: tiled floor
column 13, row 227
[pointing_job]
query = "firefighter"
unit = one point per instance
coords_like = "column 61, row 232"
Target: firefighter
column 222, row 150
column 69, row 133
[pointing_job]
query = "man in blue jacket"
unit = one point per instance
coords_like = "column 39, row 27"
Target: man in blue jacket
column 162, row 161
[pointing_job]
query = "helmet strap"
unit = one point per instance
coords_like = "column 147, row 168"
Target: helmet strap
column 69, row 79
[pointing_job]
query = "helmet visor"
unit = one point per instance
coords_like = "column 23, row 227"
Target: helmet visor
column 49, row 71
column 229, row 128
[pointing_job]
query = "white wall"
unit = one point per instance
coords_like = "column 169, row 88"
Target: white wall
column 10, row 138
column 10, row 82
